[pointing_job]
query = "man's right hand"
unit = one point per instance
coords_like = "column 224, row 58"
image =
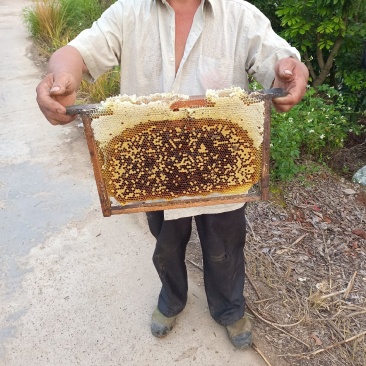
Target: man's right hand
column 54, row 93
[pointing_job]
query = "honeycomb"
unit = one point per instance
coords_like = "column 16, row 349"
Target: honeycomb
column 169, row 147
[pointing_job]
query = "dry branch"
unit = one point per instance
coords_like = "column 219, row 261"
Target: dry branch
column 298, row 240
column 261, row 354
column 326, row 348
column 278, row 327
column 195, row 264
column 350, row 285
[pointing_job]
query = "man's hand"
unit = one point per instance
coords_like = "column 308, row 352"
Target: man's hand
column 54, row 93
column 58, row 89
column 291, row 75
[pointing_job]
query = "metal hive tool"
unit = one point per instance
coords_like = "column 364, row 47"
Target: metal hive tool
column 169, row 151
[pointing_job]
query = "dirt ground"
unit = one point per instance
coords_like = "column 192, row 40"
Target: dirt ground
column 306, row 272
column 305, row 265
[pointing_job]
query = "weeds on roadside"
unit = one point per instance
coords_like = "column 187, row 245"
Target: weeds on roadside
column 105, row 86
column 47, row 23
column 54, row 22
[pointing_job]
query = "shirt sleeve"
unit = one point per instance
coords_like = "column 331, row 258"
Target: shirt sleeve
column 101, row 45
column 264, row 48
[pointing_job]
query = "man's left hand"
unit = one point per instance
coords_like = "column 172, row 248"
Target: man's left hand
column 291, row 75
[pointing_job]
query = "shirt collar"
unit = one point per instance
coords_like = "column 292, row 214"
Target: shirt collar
column 208, row 4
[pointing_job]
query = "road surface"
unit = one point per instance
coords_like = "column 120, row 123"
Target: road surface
column 76, row 288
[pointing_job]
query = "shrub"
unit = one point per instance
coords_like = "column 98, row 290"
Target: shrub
column 354, row 90
column 314, row 127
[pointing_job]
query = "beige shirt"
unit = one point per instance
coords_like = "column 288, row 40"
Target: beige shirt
column 229, row 40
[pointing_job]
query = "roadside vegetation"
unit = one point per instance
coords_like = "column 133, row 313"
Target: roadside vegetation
column 331, row 35
column 53, row 23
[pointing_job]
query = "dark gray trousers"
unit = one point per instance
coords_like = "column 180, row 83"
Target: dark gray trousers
column 222, row 238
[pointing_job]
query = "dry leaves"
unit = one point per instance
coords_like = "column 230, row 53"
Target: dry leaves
column 361, row 233
column 309, row 253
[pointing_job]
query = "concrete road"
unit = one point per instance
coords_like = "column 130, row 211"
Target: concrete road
column 76, row 288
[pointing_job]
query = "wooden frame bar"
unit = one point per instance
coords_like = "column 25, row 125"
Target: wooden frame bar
column 105, row 201
column 266, row 149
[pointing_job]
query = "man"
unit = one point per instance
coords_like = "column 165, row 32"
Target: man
column 183, row 46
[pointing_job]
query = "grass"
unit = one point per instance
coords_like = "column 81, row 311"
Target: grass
column 53, row 23
column 47, row 23
column 106, row 86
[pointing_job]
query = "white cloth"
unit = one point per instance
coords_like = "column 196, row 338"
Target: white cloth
column 228, row 40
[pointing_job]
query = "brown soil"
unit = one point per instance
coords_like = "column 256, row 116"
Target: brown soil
column 38, row 56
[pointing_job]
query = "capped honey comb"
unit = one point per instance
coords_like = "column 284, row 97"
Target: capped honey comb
column 166, row 147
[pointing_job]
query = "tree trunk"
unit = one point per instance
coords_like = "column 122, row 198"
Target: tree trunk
column 332, row 77
column 320, row 79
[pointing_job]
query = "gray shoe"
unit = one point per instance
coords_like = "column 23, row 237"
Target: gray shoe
column 160, row 324
column 240, row 333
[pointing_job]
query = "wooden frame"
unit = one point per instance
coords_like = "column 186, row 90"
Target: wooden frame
column 108, row 208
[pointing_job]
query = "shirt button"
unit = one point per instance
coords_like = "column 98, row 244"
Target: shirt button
column 172, row 59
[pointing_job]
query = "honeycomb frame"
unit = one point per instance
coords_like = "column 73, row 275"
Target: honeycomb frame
column 188, row 128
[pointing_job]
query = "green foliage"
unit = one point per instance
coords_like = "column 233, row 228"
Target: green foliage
column 354, row 90
column 314, row 127
column 322, row 30
column 330, row 35
column 81, row 14
column 320, row 22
